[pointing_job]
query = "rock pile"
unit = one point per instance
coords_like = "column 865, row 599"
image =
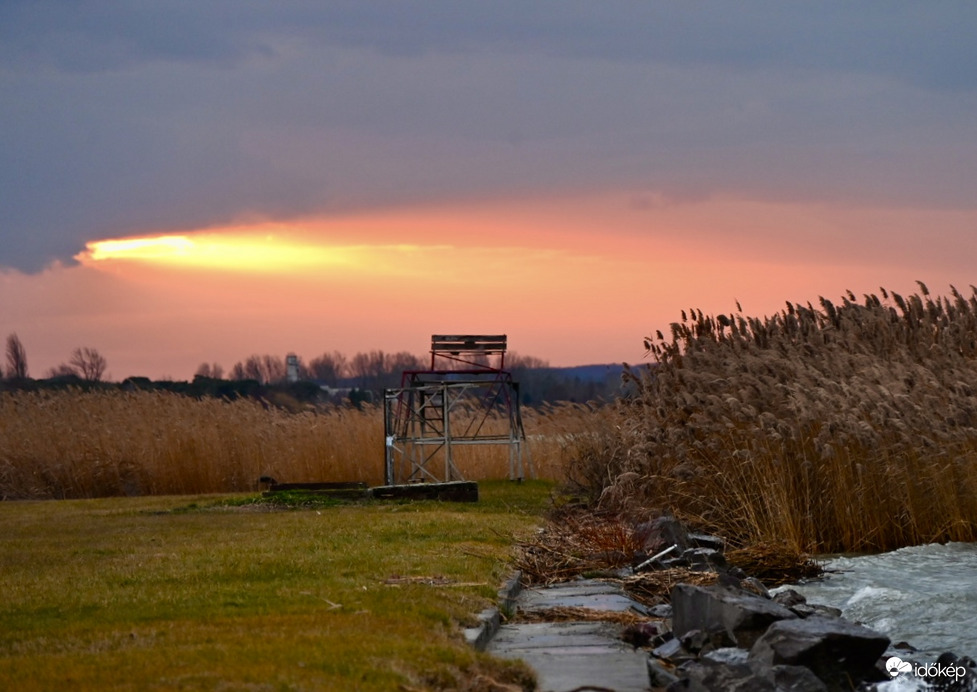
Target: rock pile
column 733, row 635
column 709, row 626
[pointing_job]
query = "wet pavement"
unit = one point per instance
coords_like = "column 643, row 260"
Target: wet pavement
column 573, row 655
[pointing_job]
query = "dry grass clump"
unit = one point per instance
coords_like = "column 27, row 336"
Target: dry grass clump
column 831, row 428
column 651, row 588
column 577, row 614
column 576, row 543
column 60, row 444
column 774, row 563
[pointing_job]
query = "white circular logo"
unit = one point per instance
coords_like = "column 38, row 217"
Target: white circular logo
column 896, row 665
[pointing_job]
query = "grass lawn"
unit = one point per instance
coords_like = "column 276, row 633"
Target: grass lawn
column 188, row 593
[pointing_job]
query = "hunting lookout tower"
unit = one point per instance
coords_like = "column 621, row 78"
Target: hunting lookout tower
column 467, row 397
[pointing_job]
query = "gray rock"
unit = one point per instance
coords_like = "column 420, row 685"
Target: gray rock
column 701, row 540
column 707, row 675
column 662, row 610
column 836, row 651
column 672, row 650
column 704, row 559
column 754, row 585
column 662, row 532
column 805, row 610
column 727, row 655
column 789, row 598
column 710, row 676
column 796, row 679
column 659, row 675
column 742, row 616
column 672, row 562
column 958, row 674
column 706, row 643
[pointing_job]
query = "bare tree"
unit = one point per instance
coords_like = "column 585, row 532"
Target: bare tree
column 212, row 370
column 329, row 367
column 273, row 369
column 88, row 363
column 252, row 369
column 517, row 361
column 237, row 372
column 376, row 369
column 265, row 369
column 368, row 366
column 403, row 360
column 16, row 358
column 62, row 370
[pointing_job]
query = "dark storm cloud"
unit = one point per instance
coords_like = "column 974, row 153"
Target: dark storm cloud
column 928, row 44
column 118, row 117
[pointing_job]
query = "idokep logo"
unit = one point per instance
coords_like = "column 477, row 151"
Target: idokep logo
column 896, row 667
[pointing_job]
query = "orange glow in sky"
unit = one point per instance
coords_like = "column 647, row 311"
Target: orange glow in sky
column 571, row 281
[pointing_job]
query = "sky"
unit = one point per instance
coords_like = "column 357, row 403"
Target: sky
column 184, row 183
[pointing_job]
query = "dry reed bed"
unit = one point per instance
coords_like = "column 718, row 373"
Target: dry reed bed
column 838, row 428
column 91, row 444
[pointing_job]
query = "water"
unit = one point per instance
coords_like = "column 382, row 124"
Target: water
column 924, row 595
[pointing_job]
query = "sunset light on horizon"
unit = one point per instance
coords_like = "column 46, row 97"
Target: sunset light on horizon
column 590, row 297
column 217, row 252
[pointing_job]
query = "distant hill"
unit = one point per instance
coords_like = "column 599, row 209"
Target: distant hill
column 577, row 383
column 590, row 373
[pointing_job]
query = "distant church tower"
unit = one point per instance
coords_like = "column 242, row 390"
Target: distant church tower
column 292, row 367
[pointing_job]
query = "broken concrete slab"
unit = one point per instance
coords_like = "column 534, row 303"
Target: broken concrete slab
column 490, row 619
column 573, row 655
column 584, row 593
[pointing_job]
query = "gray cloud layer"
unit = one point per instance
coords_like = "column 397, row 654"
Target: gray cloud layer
column 120, row 117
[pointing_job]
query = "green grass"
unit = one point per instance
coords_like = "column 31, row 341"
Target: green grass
column 197, row 593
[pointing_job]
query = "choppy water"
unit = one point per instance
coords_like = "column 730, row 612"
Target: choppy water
column 925, row 595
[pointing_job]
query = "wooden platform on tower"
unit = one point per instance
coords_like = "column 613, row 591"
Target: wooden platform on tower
column 467, row 397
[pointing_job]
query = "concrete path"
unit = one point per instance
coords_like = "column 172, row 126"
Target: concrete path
column 573, row 655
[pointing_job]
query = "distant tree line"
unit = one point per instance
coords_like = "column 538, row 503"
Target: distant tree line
column 85, row 364
column 329, row 377
column 374, row 371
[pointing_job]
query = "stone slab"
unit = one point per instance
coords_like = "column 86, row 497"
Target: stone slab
column 572, row 655
column 595, row 595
